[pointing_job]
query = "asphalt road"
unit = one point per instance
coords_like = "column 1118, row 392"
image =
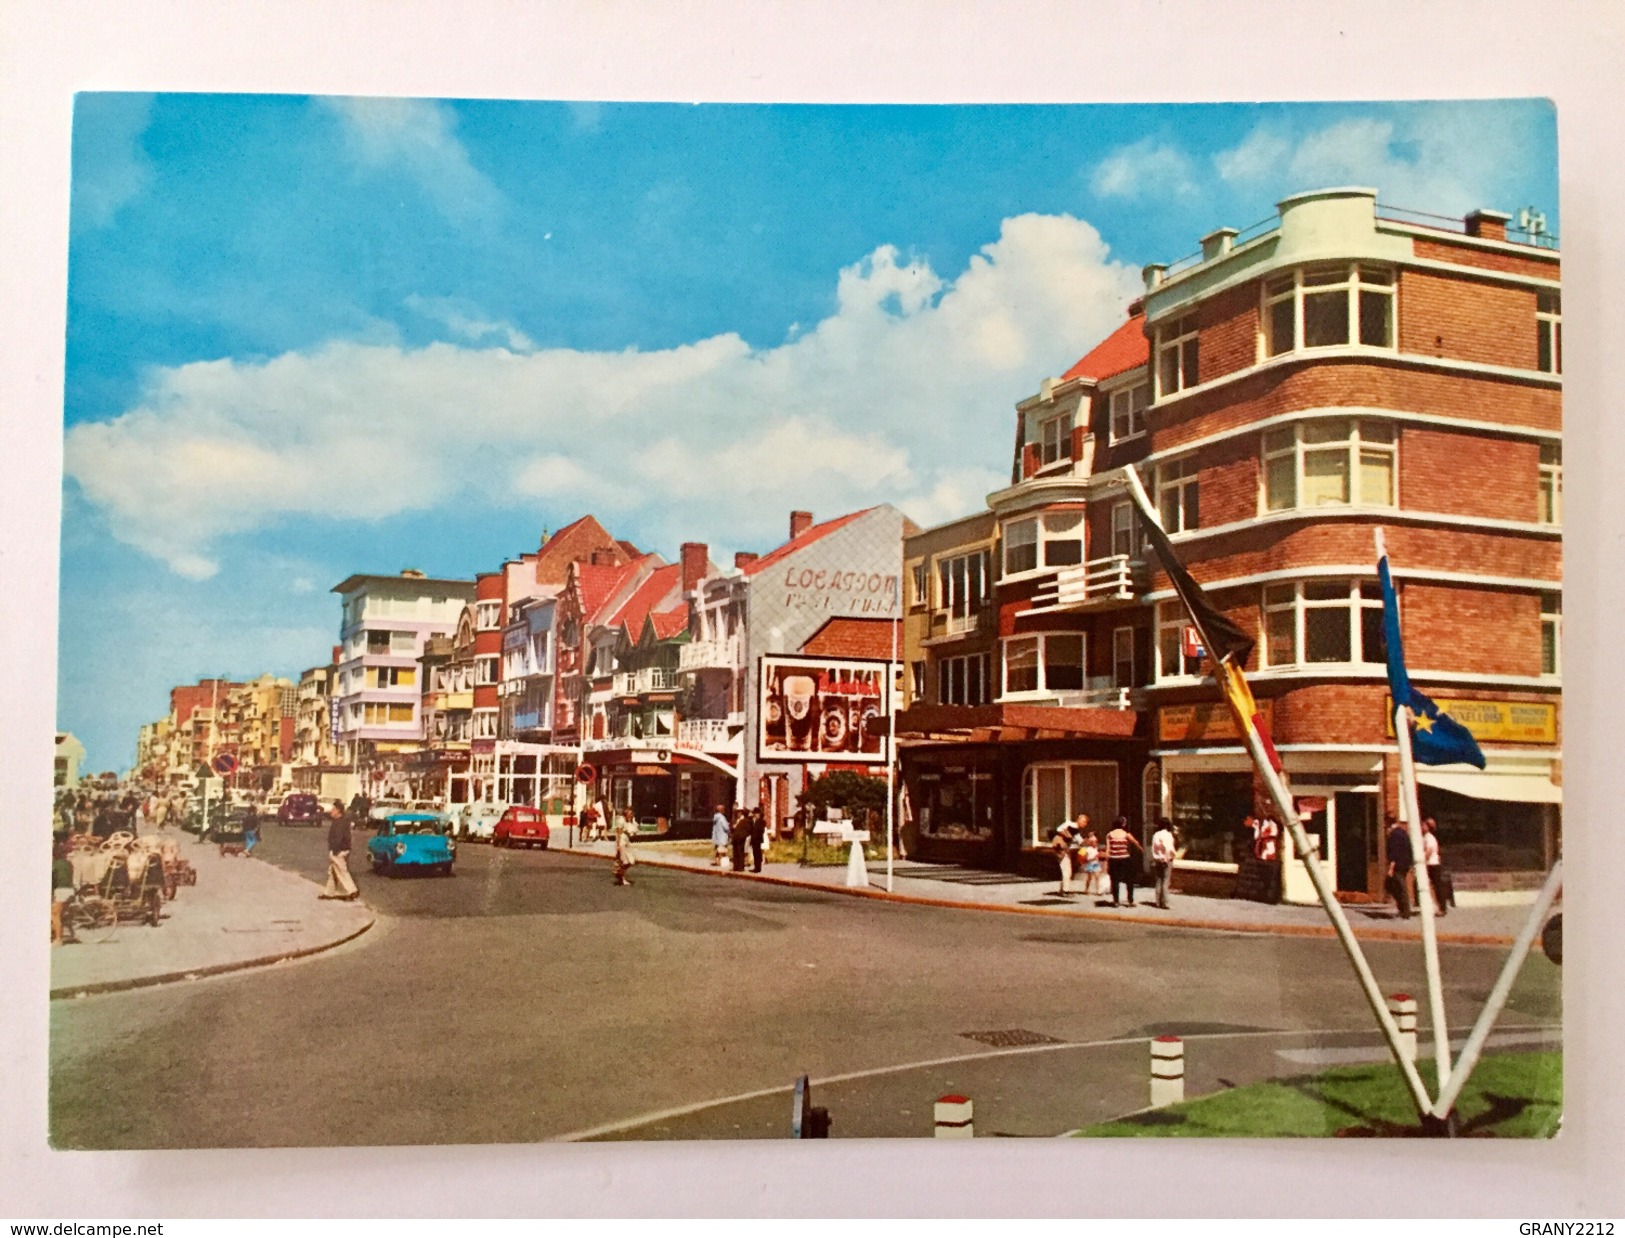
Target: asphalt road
column 527, row 998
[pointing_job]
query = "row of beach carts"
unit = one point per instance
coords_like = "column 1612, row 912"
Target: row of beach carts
column 123, row 878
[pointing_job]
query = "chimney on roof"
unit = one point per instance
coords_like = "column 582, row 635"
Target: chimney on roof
column 411, row 573
column 1153, row 274
column 1218, row 243
column 338, row 652
column 1487, row 224
column 800, row 522
column 695, row 556
column 744, row 558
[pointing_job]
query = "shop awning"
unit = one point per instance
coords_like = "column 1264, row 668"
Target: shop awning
column 1505, row 788
column 1011, row 723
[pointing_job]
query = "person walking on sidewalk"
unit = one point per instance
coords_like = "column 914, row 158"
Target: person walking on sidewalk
column 1437, row 881
column 758, row 838
column 1067, row 841
column 719, row 836
column 1401, row 859
column 1094, row 871
column 1162, row 858
column 339, row 882
column 624, row 858
column 1119, row 861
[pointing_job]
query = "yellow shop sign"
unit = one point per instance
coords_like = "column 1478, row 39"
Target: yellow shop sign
column 1178, row 724
column 1499, row 722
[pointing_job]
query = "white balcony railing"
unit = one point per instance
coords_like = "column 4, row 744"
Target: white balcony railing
column 704, row 655
column 1116, row 578
column 702, row 733
column 650, row 679
column 1099, row 692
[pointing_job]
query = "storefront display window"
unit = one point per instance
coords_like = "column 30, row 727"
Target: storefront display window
column 956, row 802
column 1208, row 810
column 1487, row 836
column 1053, row 793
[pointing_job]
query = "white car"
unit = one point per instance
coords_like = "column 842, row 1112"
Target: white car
column 479, row 819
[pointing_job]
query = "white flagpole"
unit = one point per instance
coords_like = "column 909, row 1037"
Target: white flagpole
column 1410, row 810
column 1498, row 995
column 1311, row 862
column 891, row 725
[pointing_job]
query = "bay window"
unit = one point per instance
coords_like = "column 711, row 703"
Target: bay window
column 1328, row 306
column 1128, row 407
column 1044, row 662
column 1061, row 535
column 1331, row 461
column 1320, row 622
column 1055, row 440
column 1178, row 495
column 1176, row 356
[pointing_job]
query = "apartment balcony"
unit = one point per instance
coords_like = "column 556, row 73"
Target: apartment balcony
column 708, row 735
column 1084, row 586
column 651, row 679
column 705, row 655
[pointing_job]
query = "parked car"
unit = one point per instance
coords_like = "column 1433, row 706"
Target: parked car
column 521, row 826
column 300, row 808
column 412, row 841
column 379, row 810
column 479, row 819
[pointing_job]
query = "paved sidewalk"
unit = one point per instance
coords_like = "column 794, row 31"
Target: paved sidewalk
column 241, row 913
column 949, row 885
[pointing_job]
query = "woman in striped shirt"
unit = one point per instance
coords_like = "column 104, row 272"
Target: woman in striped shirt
column 1119, row 862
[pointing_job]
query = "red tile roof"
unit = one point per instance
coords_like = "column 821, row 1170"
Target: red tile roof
column 598, row 582
column 670, row 623
column 1122, row 350
column 806, row 539
column 653, row 591
column 854, row 638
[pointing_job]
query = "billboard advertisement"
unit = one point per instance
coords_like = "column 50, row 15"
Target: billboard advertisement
column 823, row 709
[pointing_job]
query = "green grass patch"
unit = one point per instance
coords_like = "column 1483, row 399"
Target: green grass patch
column 1510, row 1096
column 814, row 851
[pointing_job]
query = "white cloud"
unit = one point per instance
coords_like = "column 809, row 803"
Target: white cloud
column 110, row 168
column 1447, row 158
column 903, row 394
column 418, row 136
column 463, row 319
column 1143, row 170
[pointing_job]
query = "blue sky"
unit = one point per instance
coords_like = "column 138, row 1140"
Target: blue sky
column 308, row 337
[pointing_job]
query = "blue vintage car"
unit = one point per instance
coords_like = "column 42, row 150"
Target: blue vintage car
column 412, row 842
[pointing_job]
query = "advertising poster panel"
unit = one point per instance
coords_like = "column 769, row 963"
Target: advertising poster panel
column 823, row 709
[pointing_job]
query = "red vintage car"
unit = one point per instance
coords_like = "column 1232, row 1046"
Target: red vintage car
column 521, row 826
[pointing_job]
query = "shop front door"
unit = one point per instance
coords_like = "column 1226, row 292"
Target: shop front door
column 1354, row 824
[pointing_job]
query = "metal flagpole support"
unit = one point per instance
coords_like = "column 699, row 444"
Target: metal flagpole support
column 1308, row 851
column 1498, row 995
column 1408, row 805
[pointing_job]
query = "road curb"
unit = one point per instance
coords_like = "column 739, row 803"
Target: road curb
column 212, row 969
column 1255, row 926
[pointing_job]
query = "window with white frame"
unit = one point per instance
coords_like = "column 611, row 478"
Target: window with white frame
column 1551, row 633
column 381, row 713
column 922, row 583
column 1551, row 484
column 1053, row 793
column 1330, row 461
column 1176, row 356
column 1020, row 546
column 1178, row 495
column 1328, row 306
column 1320, row 622
column 1055, row 439
column 1123, row 658
column 1128, row 405
column 1044, row 662
column 1549, row 332
column 488, row 615
column 962, row 588
column 964, row 680
column 1172, row 660
column 1063, row 538
column 485, row 724
column 918, row 674
column 486, row 669
column 1123, row 530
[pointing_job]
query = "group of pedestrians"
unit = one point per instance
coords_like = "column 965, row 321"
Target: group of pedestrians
column 1400, row 880
column 729, row 839
column 1116, row 860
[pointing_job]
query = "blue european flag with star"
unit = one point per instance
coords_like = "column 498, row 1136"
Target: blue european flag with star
column 1436, row 737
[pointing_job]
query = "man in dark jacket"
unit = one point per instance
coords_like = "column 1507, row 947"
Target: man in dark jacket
column 339, row 882
column 758, row 836
column 1400, row 862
